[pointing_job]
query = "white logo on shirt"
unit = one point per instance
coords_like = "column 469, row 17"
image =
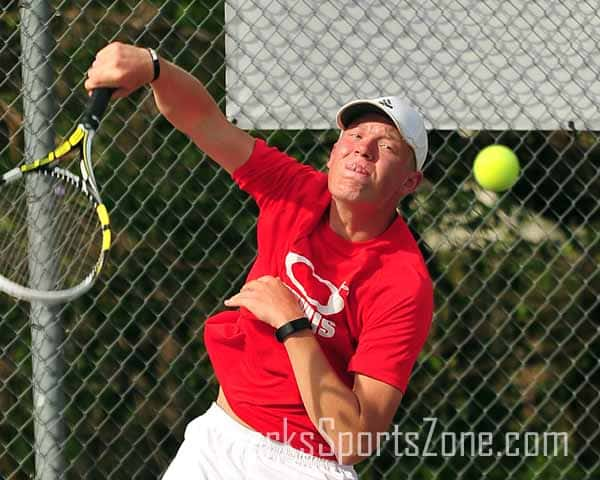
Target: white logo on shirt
column 313, row 309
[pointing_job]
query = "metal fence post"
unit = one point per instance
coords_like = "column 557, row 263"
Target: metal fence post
column 46, row 332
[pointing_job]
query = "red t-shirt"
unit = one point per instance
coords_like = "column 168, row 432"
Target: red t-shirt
column 370, row 302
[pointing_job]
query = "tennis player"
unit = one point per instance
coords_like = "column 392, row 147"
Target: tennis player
column 316, row 350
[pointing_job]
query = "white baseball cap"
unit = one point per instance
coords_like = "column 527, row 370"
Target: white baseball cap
column 407, row 120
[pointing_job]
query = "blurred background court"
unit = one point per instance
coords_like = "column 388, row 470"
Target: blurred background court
column 515, row 341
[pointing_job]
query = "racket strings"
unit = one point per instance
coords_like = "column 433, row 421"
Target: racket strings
column 78, row 233
column 88, row 232
column 50, row 235
column 13, row 253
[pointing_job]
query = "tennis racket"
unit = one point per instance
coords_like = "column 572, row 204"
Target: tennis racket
column 54, row 227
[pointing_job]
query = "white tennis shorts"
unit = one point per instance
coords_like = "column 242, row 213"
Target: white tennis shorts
column 217, row 447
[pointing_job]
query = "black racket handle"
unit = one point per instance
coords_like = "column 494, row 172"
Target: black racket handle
column 97, row 106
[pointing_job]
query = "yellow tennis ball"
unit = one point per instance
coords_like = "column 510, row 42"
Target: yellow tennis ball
column 496, row 168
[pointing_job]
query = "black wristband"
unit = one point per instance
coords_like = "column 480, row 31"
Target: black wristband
column 291, row 327
column 155, row 63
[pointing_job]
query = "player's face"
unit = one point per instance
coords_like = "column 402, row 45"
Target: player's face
column 371, row 163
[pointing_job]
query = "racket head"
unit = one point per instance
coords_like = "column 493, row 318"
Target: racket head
column 54, row 227
column 54, row 235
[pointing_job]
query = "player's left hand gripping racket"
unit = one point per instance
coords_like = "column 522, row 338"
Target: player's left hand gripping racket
column 54, row 227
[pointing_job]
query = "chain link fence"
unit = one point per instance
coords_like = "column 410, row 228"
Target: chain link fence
column 514, row 352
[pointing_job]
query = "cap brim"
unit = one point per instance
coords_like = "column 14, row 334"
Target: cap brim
column 353, row 110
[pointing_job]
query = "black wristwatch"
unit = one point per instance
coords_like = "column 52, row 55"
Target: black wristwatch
column 291, row 327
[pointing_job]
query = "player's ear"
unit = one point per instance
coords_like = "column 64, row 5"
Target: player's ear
column 411, row 182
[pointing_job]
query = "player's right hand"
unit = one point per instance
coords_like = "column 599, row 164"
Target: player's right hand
column 121, row 66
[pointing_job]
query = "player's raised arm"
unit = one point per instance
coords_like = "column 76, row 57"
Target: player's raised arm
column 179, row 96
